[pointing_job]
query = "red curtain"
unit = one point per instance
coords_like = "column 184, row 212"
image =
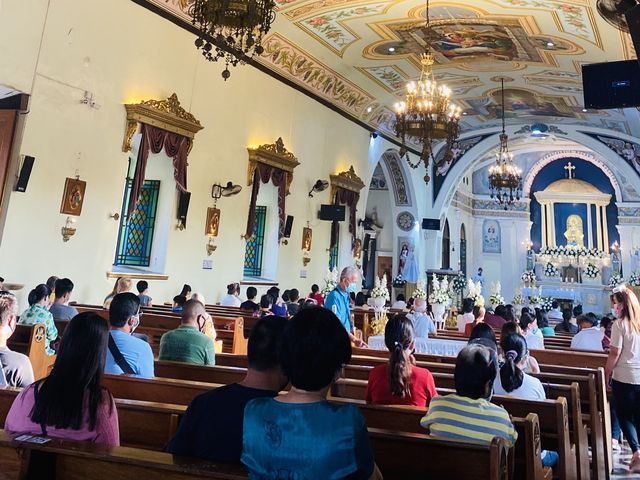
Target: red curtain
column 263, row 174
column 154, row 139
column 350, row 199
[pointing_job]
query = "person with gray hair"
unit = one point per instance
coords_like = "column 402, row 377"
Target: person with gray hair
column 16, row 367
column 338, row 300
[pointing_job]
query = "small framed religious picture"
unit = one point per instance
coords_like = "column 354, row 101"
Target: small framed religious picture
column 307, row 236
column 73, row 196
column 213, row 222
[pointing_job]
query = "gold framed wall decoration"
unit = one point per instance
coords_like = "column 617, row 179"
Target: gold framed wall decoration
column 307, row 237
column 73, row 196
column 213, row 222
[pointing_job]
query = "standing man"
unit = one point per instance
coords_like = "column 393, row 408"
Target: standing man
column 478, row 277
column 338, row 300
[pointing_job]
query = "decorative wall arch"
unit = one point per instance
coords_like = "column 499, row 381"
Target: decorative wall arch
column 397, row 176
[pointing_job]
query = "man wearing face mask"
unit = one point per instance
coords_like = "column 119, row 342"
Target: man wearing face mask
column 126, row 353
column 16, row 367
column 188, row 343
column 338, row 300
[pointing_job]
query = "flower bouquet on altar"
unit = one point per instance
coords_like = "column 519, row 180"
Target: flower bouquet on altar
column 591, row 272
column 546, row 304
column 399, row 282
column 529, row 278
column 439, row 298
column 518, row 300
column 496, row 297
column 616, row 280
column 330, row 282
column 550, row 270
column 379, row 297
column 458, row 283
column 634, row 279
column 474, row 292
column 420, row 291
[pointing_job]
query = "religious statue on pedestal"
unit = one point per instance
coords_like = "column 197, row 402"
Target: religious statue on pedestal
column 573, row 234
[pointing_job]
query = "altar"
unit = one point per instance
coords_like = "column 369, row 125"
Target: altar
column 593, row 298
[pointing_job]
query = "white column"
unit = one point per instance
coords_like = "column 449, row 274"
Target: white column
column 589, row 226
column 599, row 228
column 543, row 242
column 552, row 221
column 605, row 228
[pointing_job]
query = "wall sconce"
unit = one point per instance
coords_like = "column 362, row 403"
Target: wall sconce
column 305, row 258
column 210, row 247
column 69, row 230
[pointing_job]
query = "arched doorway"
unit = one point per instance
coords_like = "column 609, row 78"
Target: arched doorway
column 446, row 246
column 463, row 250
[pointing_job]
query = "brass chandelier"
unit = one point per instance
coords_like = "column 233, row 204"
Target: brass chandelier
column 231, row 29
column 427, row 113
column 505, row 177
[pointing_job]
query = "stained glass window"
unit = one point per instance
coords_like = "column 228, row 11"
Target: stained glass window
column 253, row 250
column 135, row 237
column 333, row 253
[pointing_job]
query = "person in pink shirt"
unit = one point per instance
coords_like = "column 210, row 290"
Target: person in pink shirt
column 70, row 403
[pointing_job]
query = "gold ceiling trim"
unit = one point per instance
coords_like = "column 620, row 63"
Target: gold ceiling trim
column 275, row 155
column 165, row 114
column 348, row 180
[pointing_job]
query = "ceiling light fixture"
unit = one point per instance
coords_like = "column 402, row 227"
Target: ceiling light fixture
column 505, row 178
column 392, row 49
column 427, row 114
column 230, row 29
column 551, row 44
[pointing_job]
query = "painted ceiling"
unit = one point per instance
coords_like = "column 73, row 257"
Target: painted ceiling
column 358, row 55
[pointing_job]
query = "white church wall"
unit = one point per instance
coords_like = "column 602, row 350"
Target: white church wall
column 152, row 60
column 380, row 202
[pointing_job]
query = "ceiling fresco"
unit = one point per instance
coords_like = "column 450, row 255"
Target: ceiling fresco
column 358, row 55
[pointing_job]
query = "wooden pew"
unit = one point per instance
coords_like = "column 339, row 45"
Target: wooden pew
column 32, row 340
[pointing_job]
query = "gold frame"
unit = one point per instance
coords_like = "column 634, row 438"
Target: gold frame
column 69, row 204
column 307, row 234
column 165, row 114
column 276, row 155
column 348, row 180
column 213, row 222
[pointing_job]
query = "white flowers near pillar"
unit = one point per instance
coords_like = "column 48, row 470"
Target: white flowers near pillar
column 475, row 289
column 440, row 299
column 379, row 297
column 496, row 297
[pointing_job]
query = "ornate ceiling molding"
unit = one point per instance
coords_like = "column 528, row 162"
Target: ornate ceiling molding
column 275, row 155
column 165, row 114
column 348, row 180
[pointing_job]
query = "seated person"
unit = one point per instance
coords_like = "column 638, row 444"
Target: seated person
column 188, row 343
column 143, row 287
column 565, row 326
column 122, row 285
column 423, row 325
column 483, row 334
column 249, row 305
column 605, row 325
column 531, row 332
column 479, row 313
column 186, row 292
column 178, row 303
column 497, row 319
column 51, row 283
column 265, row 305
column 277, row 304
column 543, row 324
column 555, row 313
column 467, row 314
column 38, row 313
column 513, row 328
column 70, row 402
column 293, row 306
column 400, row 382
column 231, row 299
column 59, row 308
column 315, row 295
column 300, row 432
column 211, row 428
column 16, row 367
column 127, row 353
column 590, row 336
column 468, row 414
column 400, row 303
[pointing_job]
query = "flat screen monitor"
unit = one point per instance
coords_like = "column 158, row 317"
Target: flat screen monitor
column 333, row 213
column 611, row 84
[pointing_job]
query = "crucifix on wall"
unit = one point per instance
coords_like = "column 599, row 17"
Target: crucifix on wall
column 569, row 167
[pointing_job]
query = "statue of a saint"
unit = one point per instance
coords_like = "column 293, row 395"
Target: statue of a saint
column 531, row 259
column 573, row 233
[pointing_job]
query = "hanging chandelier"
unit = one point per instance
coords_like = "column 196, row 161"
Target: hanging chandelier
column 427, row 113
column 505, row 177
column 231, row 29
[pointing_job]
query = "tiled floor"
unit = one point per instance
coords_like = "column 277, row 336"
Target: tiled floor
column 620, row 464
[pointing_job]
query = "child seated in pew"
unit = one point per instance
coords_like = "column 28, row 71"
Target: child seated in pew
column 400, row 382
column 423, row 325
column 468, row 414
column 211, row 428
column 512, row 380
column 143, row 287
column 70, row 403
column 300, row 434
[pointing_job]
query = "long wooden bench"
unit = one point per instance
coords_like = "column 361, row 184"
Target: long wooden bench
column 32, row 340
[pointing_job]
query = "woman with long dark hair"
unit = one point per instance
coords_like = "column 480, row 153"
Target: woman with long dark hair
column 400, row 382
column 38, row 312
column 70, row 403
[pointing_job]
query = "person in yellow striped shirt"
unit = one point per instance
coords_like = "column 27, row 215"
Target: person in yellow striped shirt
column 468, row 414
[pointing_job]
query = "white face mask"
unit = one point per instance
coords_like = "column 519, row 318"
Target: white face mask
column 421, row 308
column 614, row 312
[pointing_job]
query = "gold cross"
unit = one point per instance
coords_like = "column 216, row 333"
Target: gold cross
column 570, row 168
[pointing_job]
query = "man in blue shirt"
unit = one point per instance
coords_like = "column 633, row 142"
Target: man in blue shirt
column 338, row 300
column 126, row 350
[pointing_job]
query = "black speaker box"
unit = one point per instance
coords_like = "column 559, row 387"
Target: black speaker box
column 25, row 173
column 431, row 224
column 633, row 22
column 183, row 206
column 288, row 226
column 332, row 213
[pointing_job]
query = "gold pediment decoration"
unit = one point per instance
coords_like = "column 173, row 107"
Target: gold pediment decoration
column 275, row 155
column 348, row 180
column 165, row 114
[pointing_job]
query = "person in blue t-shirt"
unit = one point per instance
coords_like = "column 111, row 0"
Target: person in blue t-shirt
column 137, row 357
column 338, row 300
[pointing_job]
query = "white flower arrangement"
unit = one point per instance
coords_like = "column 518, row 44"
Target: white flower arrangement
column 380, row 289
column 616, row 280
column 458, row 283
column 475, row 289
column 592, row 271
column 569, row 251
column 550, row 270
column 439, row 291
column 496, row 297
column 546, row 304
column 331, row 279
column 535, row 300
column 518, row 299
column 420, row 291
column 528, row 276
column 634, row 279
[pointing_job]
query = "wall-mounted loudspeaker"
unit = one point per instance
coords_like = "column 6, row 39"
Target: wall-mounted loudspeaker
column 25, row 173
column 430, row 224
column 288, row 226
column 183, row 207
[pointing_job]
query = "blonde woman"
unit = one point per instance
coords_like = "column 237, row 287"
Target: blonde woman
column 122, row 285
column 623, row 367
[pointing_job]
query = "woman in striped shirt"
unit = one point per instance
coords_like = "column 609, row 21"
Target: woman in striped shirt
column 468, row 414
